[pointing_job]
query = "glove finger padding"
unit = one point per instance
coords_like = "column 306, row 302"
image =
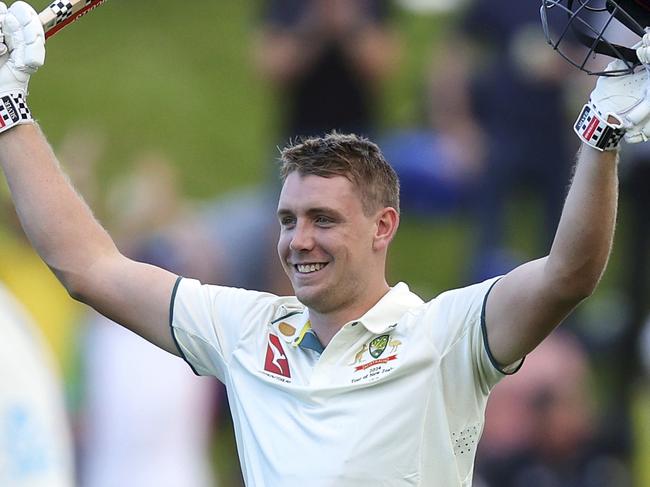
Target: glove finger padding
column 636, row 136
column 619, row 96
column 3, row 46
column 638, row 114
column 639, row 133
column 24, row 37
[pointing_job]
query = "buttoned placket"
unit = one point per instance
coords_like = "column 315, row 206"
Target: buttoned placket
column 339, row 345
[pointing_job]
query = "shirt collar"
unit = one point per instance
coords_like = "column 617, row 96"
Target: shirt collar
column 295, row 329
column 390, row 308
column 293, row 325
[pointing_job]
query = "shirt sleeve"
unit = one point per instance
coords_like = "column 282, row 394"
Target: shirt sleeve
column 208, row 321
column 461, row 336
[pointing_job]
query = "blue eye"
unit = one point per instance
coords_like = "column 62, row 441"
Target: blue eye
column 287, row 221
column 323, row 220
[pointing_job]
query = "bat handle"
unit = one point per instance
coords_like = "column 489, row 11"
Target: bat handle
column 58, row 14
column 48, row 19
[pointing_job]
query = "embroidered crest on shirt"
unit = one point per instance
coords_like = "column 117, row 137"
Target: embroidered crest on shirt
column 373, row 358
column 276, row 359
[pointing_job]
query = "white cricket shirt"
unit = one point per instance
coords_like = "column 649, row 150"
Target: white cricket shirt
column 396, row 399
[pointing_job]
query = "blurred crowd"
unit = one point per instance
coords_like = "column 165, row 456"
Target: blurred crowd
column 493, row 147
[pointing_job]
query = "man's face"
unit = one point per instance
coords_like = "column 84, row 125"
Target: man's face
column 326, row 241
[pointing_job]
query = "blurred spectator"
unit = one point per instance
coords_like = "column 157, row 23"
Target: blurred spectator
column 516, row 97
column 327, row 58
column 542, row 429
column 35, row 446
column 434, row 177
column 439, row 161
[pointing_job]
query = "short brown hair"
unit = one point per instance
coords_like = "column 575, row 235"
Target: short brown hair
column 349, row 155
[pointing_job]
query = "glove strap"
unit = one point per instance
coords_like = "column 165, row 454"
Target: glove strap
column 595, row 131
column 13, row 111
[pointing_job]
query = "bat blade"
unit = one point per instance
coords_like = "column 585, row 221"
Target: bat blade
column 61, row 13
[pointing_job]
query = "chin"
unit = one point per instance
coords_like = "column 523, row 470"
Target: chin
column 313, row 299
column 306, row 297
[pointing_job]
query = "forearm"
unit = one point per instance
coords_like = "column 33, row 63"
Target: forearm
column 584, row 237
column 56, row 220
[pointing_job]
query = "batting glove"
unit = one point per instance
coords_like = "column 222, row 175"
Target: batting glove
column 616, row 107
column 640, row 132
column 23, row 54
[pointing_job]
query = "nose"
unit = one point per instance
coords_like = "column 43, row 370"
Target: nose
column 302, row 238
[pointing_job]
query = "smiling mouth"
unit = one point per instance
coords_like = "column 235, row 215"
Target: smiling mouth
column 309, row 268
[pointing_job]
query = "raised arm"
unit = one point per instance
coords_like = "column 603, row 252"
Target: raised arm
column 57, row 222
column 526, row 304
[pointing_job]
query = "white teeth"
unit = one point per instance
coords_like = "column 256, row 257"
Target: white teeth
column 307, row 268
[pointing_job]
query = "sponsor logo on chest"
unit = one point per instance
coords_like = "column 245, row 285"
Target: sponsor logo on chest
column 276, row 362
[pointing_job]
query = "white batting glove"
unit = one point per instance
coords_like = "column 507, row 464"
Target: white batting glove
column 3, row 46
column 617, row 106
column 640, row 132
column 24, row 53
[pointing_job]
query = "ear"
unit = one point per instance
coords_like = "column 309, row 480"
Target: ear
column 386, row 224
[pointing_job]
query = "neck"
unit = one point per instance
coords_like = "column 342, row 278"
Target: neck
column 327, row 324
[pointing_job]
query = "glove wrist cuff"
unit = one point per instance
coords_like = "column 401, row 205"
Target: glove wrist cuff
column 13, row 110
column 594, row 130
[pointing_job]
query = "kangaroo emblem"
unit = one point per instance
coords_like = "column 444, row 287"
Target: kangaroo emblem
column 359, row 355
